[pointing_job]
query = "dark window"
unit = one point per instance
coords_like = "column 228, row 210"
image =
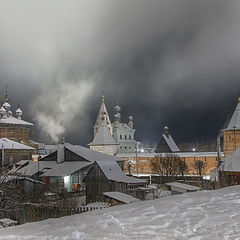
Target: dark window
column 120, row 136
column 121, row 147
column 125, row 147
column 130, row 137
column 125, row 136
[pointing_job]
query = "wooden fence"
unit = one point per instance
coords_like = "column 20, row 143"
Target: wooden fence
column 32, row 213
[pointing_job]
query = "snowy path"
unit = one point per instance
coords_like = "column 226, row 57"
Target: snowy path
column 201, row 215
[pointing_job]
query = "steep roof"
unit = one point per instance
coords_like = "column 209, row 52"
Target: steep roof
column 122, row 197
column 103, row 136
column 231, row 163
column 65, row 168
column 102, row 113
column 15, row 121
column 166, row 143
column 235, row 120
column 113, row 172
column 10, row 144
column 171, row 143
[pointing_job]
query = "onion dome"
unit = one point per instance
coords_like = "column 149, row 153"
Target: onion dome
column 165, row 131
column 2, row 112
column 7, row 106
column 117, row 109
column 9, row 113
column 19, row 113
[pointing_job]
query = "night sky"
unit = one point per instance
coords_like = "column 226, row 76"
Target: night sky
column 165, row 62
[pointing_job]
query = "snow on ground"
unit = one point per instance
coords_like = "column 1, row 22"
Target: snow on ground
column 199, row 215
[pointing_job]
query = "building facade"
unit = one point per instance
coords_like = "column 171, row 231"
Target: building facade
column 12, row 127
column 112, row 138
column 123, row 133
column 231, row 134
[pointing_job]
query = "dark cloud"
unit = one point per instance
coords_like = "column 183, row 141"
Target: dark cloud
column 166, row 62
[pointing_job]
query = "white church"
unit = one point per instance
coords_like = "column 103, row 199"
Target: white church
column 112, row 138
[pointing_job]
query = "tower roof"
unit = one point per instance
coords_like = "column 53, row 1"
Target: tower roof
column 166, row 143
column 103, row 136
column 102, row 113
column 235, row 120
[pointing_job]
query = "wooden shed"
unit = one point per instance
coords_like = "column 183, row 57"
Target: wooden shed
column 178, row 188
column 107, row 176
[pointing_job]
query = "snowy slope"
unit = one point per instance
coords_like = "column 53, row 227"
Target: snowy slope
column 199, row 215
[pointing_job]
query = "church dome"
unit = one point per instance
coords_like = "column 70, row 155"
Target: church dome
column 2, row 111
column 7, row 106
column 9, row 113
column 117, row 108
column 19, row 113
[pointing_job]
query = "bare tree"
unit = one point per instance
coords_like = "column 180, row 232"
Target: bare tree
column 199, row 166
column 170, row 166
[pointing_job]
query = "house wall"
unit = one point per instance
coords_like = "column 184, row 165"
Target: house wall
column 124, row 136
column 96, row 183
column 15, row 132
column 13, row 156
column 231, row 141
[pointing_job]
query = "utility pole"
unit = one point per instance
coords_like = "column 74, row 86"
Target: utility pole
column 137, row 157
column 219, row 149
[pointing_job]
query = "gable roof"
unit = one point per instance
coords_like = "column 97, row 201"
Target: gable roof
column 10, row 144
column 122, row 197
column 235, row 120
column 231, row 163
column 65, row 168
column 171, row 143
column 86, row 154
column 103, row 136
column 166, row 144
column 113, row 172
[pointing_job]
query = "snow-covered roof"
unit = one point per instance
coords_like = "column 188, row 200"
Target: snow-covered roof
column 103, row 136
column 171, row 143
column 122, row 197
column 34, row 167
column 231, row 163
column 183, row 186
column 91, row 155
column 10, row 144
column 113, row 172
column 15, row 121
column 235, row 120
column 65, row 168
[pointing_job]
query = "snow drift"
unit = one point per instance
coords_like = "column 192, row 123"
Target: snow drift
column 199, row 215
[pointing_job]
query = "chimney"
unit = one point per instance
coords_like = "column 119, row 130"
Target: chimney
column 60, row 150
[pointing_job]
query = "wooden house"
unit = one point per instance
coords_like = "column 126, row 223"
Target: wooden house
column 107, row 176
